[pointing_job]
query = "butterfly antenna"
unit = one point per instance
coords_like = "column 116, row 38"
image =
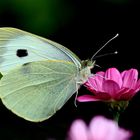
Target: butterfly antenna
column 106, row 54
column 104, row 45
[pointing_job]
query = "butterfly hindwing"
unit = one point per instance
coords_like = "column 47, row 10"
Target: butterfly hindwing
column 36, row 90
column 18, row 47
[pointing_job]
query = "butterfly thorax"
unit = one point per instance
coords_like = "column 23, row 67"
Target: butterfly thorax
column 85, row 71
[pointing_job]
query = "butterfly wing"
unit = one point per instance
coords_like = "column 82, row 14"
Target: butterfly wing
column 18, row 47
column 36, row 90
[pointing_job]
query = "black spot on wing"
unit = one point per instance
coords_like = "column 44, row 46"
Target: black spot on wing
column 22, row 53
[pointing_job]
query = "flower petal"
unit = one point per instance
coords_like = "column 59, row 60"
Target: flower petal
column 94, row 82
column 137, row 88
column 111, row 87
column 78, row 131
column 114, row 75
column 125, row 94
column 123, row 134
column 104, row 129
column 87, row 98
column 121, row 92
column 129, row 78
column 99, row 78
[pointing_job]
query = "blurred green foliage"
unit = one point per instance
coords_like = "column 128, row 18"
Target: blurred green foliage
column 36, row 15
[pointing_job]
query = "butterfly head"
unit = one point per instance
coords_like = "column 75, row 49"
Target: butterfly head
column 88, row 63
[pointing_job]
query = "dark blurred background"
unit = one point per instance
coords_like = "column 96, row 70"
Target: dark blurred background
column 83, row 27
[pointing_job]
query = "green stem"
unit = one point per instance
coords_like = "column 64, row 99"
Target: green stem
column 116, row 116
column 117, row 108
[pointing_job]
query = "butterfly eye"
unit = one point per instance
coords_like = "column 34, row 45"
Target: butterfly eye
column 22, row 53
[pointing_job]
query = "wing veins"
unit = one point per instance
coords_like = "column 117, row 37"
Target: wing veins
column 30, row 92
column 57, row 101
column 37, row 85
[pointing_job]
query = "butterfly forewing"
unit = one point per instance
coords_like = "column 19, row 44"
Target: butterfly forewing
column 35, row 91
column 18, row 47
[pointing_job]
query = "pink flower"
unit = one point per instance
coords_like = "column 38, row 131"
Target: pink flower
column 100, row 128
column 112, row 86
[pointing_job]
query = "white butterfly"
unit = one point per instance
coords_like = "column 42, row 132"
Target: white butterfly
column 39, row 75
